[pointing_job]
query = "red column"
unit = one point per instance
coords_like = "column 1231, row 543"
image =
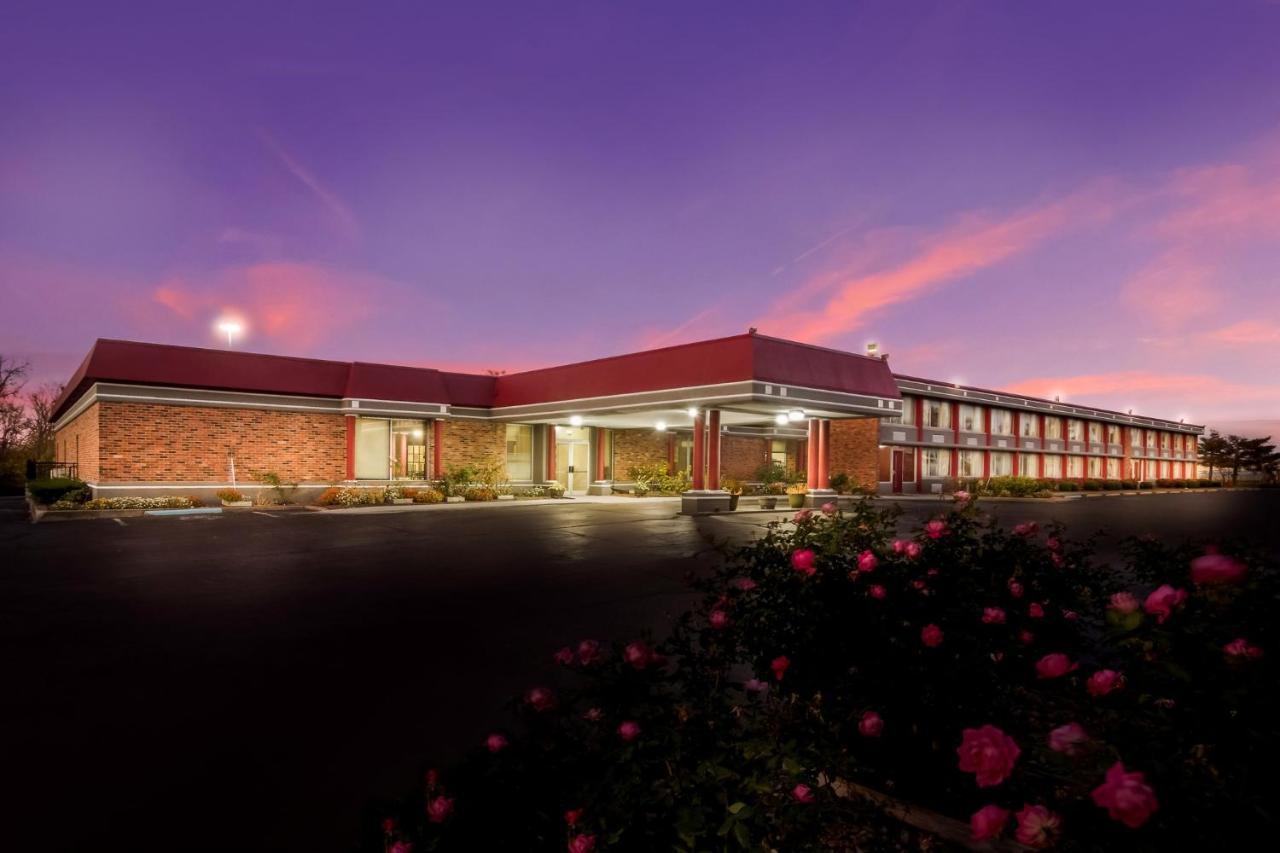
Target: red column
column 671, row 453
column 699, row 452
column 824, row 454
column 1040, row 465
column 986, row 443
column 599, row 453
column 713, row 450
column 811, row 467
column 351, row 447
column 551, row 452
column 437, row 448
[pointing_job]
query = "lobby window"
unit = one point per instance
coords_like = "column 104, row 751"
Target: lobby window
column 683, row 453
column 971, row 419
column 937, row 463
column 970, row 463
column 1052, row 466
column 778, row 453
column 937, row 414
column 1029, row 425
column 1075, row 430
column 1001, row 422
column 391, row 449
column 1001, row 464
column 1095, row 432
column 408, row 450
column 1053, row 428
column 519, row 452
column 1075, row 466
column 605, row 449
column 1027, row 465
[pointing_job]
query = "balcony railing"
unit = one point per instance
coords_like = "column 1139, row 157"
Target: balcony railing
column 45, row 470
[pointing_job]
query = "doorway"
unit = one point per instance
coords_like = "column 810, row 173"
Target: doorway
column 573, row 459
column 904, row 465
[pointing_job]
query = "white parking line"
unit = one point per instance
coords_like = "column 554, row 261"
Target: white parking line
column 267, row 514
column 120, row 521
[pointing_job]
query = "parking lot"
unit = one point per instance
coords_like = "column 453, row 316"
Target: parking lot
column 249, row 681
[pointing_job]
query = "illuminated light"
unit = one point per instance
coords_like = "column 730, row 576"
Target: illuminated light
column 692, row 411
column 781, row 419
column 575, row 420
column 417, row 433
column 230, row 328
column 795, row 415
column 660, row 426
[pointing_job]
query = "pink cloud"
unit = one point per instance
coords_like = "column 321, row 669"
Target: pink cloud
column 1226, row 200
column 1148, row 392
column 1246, row 333
column 1172, row 290
column 976, row 243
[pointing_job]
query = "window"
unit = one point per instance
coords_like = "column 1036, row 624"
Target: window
column 1095, row 467
column 1113, row 434
column 1165, row 439
column 1075, row 430
column 1028, row 465
column 908, row 466
column 1095, row 432
column 970, row 463
column 777, row 454
column 937, row 414
column 1052, row 466
column 1053, row 427
column 1151, row 438
column 683, row 447
column 937, row 463
column 1029, row 425
column 408, row 450
column 971, row 418
column 1135, row 437
column 1113, row 469
column 1001, row 422
column 1075, row 466
column 1001, row 464
column 908, row 411
column 605, row 448
column 519, row 452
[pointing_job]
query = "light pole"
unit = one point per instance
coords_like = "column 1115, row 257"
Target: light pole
column 231, row 328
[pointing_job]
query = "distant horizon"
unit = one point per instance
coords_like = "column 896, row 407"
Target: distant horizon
column 1048, row 199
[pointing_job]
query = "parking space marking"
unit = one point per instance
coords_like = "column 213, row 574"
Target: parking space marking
column 267, row 514
column 120, row 521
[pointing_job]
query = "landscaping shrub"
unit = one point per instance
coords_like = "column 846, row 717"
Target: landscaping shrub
column 654, row 478
column 1144, row 484
column 1068, row 486
column 348, row 496
column 162, row 502
column 428, row 496
column 455, row 480
column 1129, row 485
column 966, row 668
column 480, row 493
column 230, row 495
column 1111, row 485
column 1092, row 486
column 54, row 489
column 840, row 482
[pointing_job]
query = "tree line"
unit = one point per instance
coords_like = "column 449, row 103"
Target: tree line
column 1232, row 454
column 26, row 425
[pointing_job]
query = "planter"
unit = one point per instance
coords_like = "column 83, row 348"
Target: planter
column 733, row 502
column 401, row 501
column 455, row 499
column 796, row 501
column 506, row 497
column 237, row 503
column 769, row 502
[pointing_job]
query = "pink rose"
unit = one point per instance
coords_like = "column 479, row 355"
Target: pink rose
column 988, row 822
column 582, row 843
column 802, row 515
column 1070, row 615
column 439, row 809
column 899, row 546
column 1035, row 611
column 593, row 715
column 1068, row 739
column 779, row 666
column 755, row 685
column 1015, row 588
column 496, row 742
column 1054, row 665
column 802, row 562
column 588, row 652
column 1037, row 826
column 564, row 657
column 1052, row 543
column 962, row 496
column 1103, row 682
column 638, row 654
column 629, row 730
column 919, row 585
column 1215, row 568
column 1124, row 603
column 1126, row 796
column 828, row 508
column 1160, row 603
column 935, row 529
column 913, row 550
column 871, row 725
column 1026, row 637
column 1242, row 649
column 573, row 816
column 988, row 753
column 745, row 584
column 1026, row 528
column 993, row 615
column 802, row 793
column 931, row 636
column 867, row 562
column 1056, row 559
column 432, row 777
column 388, row 825
column 400, row 847
column 718, row 619
column 877, row 592
column 541, row 699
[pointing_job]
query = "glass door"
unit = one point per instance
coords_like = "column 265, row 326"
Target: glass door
column 573, row 467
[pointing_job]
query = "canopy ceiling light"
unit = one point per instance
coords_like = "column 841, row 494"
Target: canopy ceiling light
column 660, row 426
column 692, row 411
column 575, row 420
column 781, row 419
column 795, row 415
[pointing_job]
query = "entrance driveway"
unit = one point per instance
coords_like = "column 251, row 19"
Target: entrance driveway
column 247, row 682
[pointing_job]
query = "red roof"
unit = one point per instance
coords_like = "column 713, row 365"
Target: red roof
column 738, row 358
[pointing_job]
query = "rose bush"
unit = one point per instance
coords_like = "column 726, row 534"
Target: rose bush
column 1130, row 708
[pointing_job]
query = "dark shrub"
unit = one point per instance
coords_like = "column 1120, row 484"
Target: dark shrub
column 1111, row 485
column 1092, row 485
column 1068, row 486
column 1146, row 484
column 1129, row 484
column 56, row 489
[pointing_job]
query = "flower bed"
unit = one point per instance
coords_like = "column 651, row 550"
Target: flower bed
column 163, row 502
column 1002, row 678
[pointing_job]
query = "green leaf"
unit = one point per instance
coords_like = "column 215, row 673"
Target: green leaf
column 737, row 807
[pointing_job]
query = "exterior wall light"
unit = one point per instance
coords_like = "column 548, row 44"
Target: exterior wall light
column 781, row 419
column 660, row 426
column 575, row 420
column 692, row 411
column 795, row 415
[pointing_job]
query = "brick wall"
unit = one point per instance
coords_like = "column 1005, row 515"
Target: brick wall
column 78, row 442
column 637, row 447
column 854, row 443
column 473, row 443
column 741, row 455
column 160, row 443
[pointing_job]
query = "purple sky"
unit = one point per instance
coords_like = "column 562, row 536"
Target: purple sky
column 1073, row 198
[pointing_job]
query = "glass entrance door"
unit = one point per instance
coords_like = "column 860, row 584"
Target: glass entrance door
column 573, row 467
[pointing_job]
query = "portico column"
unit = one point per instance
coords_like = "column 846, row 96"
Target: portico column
column 713, row 450
column 351, row 447
column 600, row 439
column 824, row 454
column 811, row 465
column 437, row 448
column 699, row 452
column 551, row 452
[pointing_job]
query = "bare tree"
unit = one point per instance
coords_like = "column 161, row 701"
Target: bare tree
column 13, row 416
column 13, row 376
column 39, row 438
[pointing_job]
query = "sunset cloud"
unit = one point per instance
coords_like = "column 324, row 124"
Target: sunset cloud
column 1246, row 333
column 1150, row 392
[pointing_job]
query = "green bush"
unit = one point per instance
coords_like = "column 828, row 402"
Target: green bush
column 481, row 493
column 1129, row 485
column 654, row 478
column 1111, row 485
column 840, row 482
column 1145, row 484
column 1092, row 485
column 54, row 489
column 1068, row 486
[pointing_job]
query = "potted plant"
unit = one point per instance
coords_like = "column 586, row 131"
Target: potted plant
column 734, row 488
column 795, row 495
column 232, row 497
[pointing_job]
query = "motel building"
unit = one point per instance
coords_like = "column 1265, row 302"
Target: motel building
column 153, row 419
